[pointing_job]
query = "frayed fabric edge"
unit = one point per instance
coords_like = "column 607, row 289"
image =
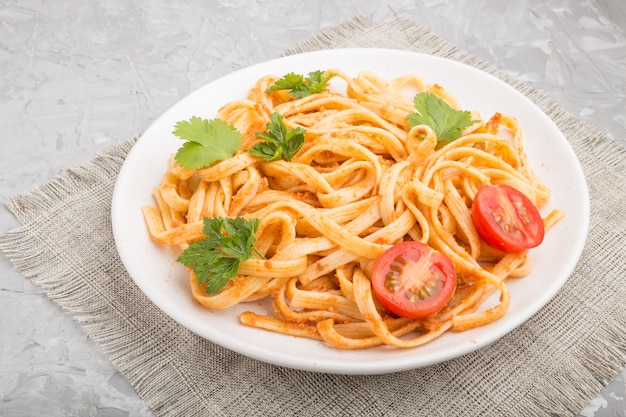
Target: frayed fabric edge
column 25, row 206
column 600, row 360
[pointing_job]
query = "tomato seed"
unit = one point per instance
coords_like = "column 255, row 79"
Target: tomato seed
column 396, row 267
column 392, row 282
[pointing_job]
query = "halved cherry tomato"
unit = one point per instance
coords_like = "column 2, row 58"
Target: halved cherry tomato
column 413, row 280
column 506, row 219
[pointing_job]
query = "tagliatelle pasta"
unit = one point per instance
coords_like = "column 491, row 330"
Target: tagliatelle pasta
column 364, row 180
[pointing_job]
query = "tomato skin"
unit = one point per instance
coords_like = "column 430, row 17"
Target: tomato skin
column 506, row 219
column 413, row 280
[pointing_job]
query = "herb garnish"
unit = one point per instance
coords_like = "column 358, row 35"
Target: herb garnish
column 279, row 142
column 445, row 121
column 207, row 141
column 300, row 86
column 215, row 259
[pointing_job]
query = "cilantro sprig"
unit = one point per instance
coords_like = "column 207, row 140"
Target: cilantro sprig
column 300, row 86
column 278, row 141
column 445, row 121
column 215, row 259
column 207, row 141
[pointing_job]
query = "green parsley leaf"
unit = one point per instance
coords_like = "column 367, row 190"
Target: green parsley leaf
column 215, row 259
column 207, row 141
column 445, row 121
column 279, row 142
column 289, row 81
column 300, row 86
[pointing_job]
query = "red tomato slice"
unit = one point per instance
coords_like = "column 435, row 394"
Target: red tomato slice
column 506, row 219
column 413, row 280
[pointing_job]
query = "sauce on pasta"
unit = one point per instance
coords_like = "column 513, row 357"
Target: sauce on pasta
column 363, row 181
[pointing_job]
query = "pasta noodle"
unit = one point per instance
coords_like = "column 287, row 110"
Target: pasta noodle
column 363, row 181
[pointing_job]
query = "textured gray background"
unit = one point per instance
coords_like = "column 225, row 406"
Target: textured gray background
column 77, row 77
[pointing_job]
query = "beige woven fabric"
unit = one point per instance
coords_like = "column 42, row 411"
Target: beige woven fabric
column 551, row 365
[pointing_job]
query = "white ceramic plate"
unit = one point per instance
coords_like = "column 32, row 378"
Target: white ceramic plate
column 154, row 270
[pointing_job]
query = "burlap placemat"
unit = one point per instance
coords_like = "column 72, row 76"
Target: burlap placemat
column 552, row 365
